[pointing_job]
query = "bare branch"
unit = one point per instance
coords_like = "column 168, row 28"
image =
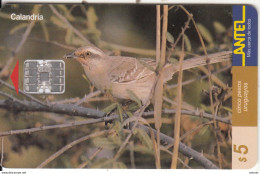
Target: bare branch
column 160, row 61
column 58, row 126
column 10, row 97
column 68, row 109
column 84, row 164
column 87, row 97
column 76, row 31
column 72, row 110
column 178, row 38
column 185, row 150
column 68, row 47
column 70, row 145
column 169, row 152
column 23, row 93
column 132, row 157
column 195, row 129
column 177, row 119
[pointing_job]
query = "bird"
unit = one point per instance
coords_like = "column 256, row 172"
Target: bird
column 124, row 76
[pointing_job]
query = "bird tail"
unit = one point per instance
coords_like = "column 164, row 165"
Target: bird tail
column 194, row 62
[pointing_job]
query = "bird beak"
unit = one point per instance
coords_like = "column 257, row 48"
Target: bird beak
column 69, row 56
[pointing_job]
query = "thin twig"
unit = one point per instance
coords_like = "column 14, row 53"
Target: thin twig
column 194, row 129
column 68, row 47
column 132, row 156
column 76, row 31
column 23, row 93
column 169, row 152
column 216, row 136
column 177, row 122
column 160, row 61
column 58, row 126
column 12, row 98
column 158, row 33
column 84, row 164
column 76, row 99
column 70, row 145
column 68, row 109
column 87, row 97
column 185, row 105
column 65, row 101
column 195, row 113
column 138, row 51
column 178, row 38
column 187, row 82
column 214, row 78
column 156, row 156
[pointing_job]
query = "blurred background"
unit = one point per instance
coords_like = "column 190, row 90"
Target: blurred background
column 111, row 26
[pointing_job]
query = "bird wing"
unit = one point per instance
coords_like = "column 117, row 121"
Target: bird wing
column 129, row 70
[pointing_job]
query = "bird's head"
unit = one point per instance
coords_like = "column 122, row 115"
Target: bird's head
column 86, row 55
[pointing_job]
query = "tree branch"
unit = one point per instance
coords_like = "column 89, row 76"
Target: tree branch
column 68, row 109
column 72, row 110
column 58, row 126
column 185, row 150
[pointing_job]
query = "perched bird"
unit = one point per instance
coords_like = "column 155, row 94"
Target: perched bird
column 120, row 74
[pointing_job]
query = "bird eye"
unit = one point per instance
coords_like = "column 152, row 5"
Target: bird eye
column 87, row 53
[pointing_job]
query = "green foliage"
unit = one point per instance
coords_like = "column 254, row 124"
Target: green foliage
column 66, row 12
column 206, row 34
column 169, row 37
column 134, row 97
column 143, row 150
column 144, row 138
column 110, row 108
column 187, row 42
column 204, row 130
column 219, row 28
column 106, row 143
column 55, row 20
column 120, row 111
column 92, row 18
